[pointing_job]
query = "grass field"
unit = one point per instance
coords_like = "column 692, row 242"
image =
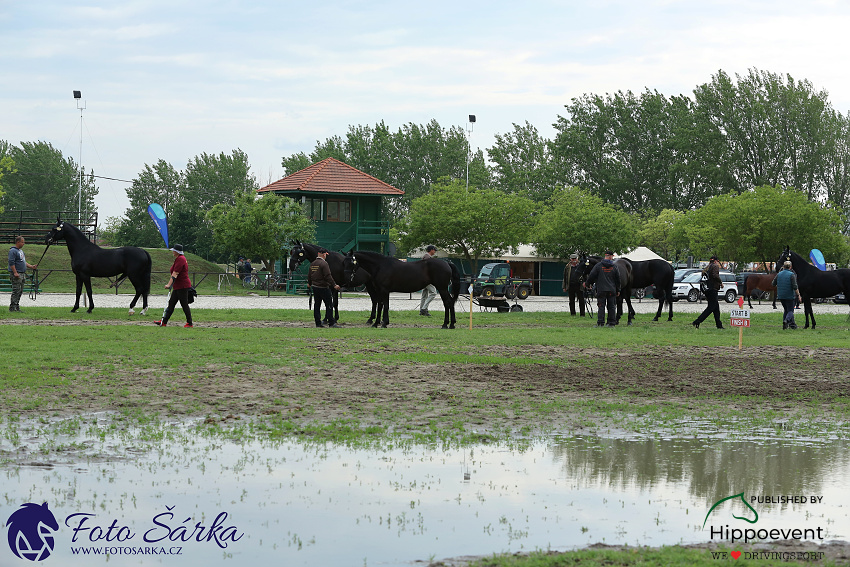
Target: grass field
column 252, row 373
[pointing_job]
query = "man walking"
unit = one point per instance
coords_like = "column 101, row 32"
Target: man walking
column 788, row 293
column 572, row 286
column 320, row 279
column 18, row 272
column 606, row 276
column 430, row 292
column 713, row 285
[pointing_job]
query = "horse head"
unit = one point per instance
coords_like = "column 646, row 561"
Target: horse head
column 56, row 233
column 349, row 267
column 584, row 266
column 31, row 530
column 785, row 256
column 296, row 256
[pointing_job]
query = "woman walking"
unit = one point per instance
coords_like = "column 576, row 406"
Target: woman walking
column 179, row 285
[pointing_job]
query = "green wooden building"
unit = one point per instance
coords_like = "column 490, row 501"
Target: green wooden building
column 345, row 203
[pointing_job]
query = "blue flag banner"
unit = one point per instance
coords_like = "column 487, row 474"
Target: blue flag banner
column 817, row 259
column 158, row 216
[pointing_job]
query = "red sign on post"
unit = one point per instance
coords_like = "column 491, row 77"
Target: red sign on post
column 740, row 322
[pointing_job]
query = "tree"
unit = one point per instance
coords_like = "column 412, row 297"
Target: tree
column 412, row 159
column 522, row 163
column 756, row 225
column 259, row 227
column 575, row 219
column 7, row 164
column 46, row 181
column 474, row 223
column 160, row 183
column 776, row 129
column 657, row 233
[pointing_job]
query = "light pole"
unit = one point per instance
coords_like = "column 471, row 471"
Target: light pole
column 78, row 96
column 469, row 126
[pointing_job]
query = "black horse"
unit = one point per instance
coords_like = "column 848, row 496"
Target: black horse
column 89, row 260
column 389, row 274
column 624, row 267
column 652, row 272
column 814, row 283
column 302, row 252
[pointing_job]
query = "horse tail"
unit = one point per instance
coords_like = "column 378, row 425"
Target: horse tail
column 455, row 283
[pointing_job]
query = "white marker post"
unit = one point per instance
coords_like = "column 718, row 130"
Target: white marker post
column 470, row 307
column 740, row 319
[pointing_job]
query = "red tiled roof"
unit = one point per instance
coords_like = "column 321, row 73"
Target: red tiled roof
column 332, row 176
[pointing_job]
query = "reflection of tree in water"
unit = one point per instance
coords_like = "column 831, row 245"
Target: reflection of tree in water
column 713, row 469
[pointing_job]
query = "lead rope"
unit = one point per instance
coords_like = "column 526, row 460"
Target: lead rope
column 34, row 289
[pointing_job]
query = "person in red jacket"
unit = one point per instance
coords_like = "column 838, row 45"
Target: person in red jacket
column 179, row 285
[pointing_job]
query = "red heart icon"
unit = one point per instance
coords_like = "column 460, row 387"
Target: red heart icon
column 735, row 554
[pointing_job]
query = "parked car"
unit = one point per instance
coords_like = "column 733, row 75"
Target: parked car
column 689, row 287
column 681, row 273
column 839, row 298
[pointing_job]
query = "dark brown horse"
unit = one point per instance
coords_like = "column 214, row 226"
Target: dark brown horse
column 763, row 282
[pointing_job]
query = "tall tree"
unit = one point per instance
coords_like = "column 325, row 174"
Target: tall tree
column 776, row 129
column 522, row 163
column 575, row 219
column 46, row 181
column 657, row 234
column 473, row 223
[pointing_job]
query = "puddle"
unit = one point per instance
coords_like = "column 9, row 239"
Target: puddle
column 293, row 504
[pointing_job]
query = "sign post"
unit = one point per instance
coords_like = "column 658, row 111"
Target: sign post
column 470, row 307
column 740, row 318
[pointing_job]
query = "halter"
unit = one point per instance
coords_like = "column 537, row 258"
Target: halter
column 354, row 268
column 299, row 259
column 53, row 239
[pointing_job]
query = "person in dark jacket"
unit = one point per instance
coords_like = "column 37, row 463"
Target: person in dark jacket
column 788, row 293
column 320, row 279
column 606, row 276
column 713, row 285
column 572, row 285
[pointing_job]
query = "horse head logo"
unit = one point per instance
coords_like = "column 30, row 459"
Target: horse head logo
column 31, row 529
column 734, row 496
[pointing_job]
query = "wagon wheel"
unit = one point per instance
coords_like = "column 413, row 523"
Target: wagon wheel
column 510, row 292
column 640, row 293
column 523, row 293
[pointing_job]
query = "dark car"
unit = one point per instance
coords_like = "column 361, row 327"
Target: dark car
column 839, row 298
column 682, row 273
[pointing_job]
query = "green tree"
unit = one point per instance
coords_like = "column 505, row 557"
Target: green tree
column 777, row 130
column 657, row 233
column 756, row 225
column 259, row 227
column 7, row 164
column 522, row 163
column 160, row 183
column 575, row 219
column 46, row 181
column 474, row 223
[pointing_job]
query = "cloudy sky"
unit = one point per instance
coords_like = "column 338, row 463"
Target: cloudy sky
column 172, row 79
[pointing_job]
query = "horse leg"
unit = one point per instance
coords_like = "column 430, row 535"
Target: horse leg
column 334, row 305
column 809, row 312
column 88, row 293
column 631, row 309
column 660, row 308
column 386, row 319
column 79, row 291
column 447, row 309
column 749, row 295
column 372, row 295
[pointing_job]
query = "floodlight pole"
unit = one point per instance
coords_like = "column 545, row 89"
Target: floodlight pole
column 469, row 127
column 78, row 97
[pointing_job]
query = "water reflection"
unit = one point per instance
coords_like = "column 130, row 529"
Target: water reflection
column 328, row 505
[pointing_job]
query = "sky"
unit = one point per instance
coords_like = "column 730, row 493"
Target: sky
column 172, row 79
